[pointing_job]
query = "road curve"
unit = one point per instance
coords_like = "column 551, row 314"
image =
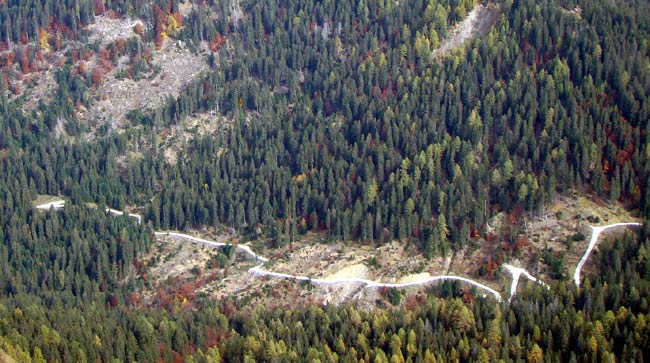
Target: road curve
column 371, row 283
column 116, row 212
column 596, row 231
column 206, row 242
column 516, row 272
column 258, row 270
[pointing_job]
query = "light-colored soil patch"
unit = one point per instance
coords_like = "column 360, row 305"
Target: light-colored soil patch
column 185, row 8
column 175, row 257
column 175, row 138
column 563, row 228
column 576, row 11
column 570, row 217
column 478, row 23
column 396, row 262
column 414, row 278
column 6, row 358
column 354, row 271
column 107, row 29
column 390, row 263
column 170, row 69
column 387, row 263
column 180, row 258
column 44, row 199
column 171, row 156
column 341, row 292
column 38, row 86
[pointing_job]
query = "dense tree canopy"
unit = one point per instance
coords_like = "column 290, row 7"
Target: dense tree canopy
column 342, row 123
column 606, row 319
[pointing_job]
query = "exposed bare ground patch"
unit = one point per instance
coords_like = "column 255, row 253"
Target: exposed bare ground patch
column 44, row 199
column 563, row 229
column 186, row 8
column 478, row 23
column 38, row 87
column 115, row 98
column 174, row 259
column 175, row 138
column 6, row 358
column 576, row 11
column 556, row 229
column 391, row 263
column 569, row 219
column 117, row 92
column 107, row 29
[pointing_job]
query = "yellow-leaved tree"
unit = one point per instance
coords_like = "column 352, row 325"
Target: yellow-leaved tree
column 44, row 40
column 535, row 355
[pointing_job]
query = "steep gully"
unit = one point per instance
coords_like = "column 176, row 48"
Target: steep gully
column 258, row 270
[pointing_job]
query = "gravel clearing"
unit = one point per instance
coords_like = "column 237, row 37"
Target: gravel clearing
column 117, row 97
column 477, row 24
column 354, row 271
column 107, row 29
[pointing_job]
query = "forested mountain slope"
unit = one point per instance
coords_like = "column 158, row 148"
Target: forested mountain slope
column 341, row 122
column 604, row 320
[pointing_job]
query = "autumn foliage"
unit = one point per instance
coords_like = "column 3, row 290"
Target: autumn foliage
column 25, row 63
column 97, row 76
column 43, row 40
column 166, row 23
column 217, row 42
column 99, row 7
column 138, row 28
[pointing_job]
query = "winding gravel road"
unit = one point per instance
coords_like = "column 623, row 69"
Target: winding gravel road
column 596, row 231
column 116, row 212
column 258, row 270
